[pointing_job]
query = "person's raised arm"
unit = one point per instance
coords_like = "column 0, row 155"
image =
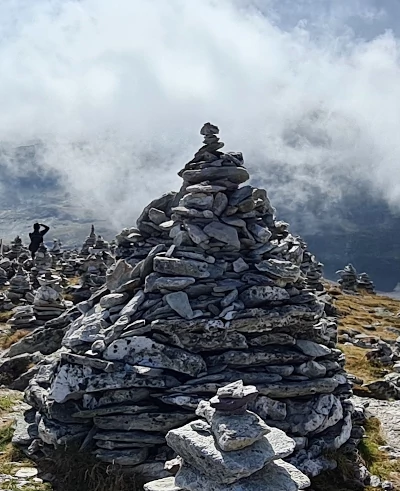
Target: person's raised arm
column 45, row 229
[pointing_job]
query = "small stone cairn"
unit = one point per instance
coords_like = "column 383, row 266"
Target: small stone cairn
column 3, row 277
column 20, row 284
column 233, row 449
column 48, row 302
column 207, row 290
column 352, row 282
column 89, row 242
column 365, row 283
column 16, row 247
column 348, row 278
column 43, row 260
column 23, row 318
column 100, row 245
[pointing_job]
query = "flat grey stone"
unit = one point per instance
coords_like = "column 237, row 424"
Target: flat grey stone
column 196, row 233
column 311, row 369
column 276, row 476
column 181, row 267
column 158, row 282
column 240, row 265
column 165, row 484
column 179, row 301
column 269, row 356
column 138, row 437
column 269, row 409
column 233, row 431
column 279, row 269
column 113, row 299
column 233, row 174
column 220, row 204
column 121, row 274
column 273, row 338
column 111, row 397
column 140, row 350
column 119, row 409
column 128, row 457
column 196, row 445
column 310, row 348
column 256, row 296
column 224, row 233
column 132, row 306
column 72, row 381
column 299, row 389
column 144, row 421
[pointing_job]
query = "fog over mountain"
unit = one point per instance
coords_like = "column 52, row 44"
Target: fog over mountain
column 112, row 95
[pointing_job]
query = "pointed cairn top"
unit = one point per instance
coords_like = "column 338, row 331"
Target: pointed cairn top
column 209, row 129
column 92, row 232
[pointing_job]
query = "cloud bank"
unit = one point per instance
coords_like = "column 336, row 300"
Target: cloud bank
column 117, row 92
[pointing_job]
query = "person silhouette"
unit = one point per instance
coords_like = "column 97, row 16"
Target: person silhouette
column 37, row 237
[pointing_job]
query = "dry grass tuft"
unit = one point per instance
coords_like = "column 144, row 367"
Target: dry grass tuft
column 81, row 470
column 5, row 316
column 11, row 338
column 378, row 462
column 357, row 363
column 358, row 311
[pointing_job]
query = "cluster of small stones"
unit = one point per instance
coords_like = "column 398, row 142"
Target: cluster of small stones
column 350, row 281
column 230, row 449
column 208, row 290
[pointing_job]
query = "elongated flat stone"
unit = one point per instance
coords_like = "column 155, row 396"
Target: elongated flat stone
column 256, row 296
column 131, row 456
column 165, row 484
column 139, row 437
column 120, row 409
column 196, row 445
column 283, row 390
column 276, row 476
column 111, row 397
column 233, row 174
column 269, row 356
column 97, row 363
column 73, row 381
column 313, row 349
column 140, row 350
column 145, row 422
column 181, row 267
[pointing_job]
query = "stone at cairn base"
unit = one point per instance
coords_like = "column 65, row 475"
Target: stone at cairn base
column 209, row 291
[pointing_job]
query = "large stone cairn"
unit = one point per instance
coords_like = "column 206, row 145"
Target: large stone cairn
column 211, row 292
column 232, row 450
column 89, row 242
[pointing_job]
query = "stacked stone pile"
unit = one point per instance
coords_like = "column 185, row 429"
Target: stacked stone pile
column 312, row 269
column 70, row 264
column 16, row 247
column 89, row 242
column 3, row 277
column 100, row 245
column 23, row 318
column 43, row 260
column 48, row 302
column 20, row 284
column 233, row 449
column 365, row 283
column 210, row 291
column 348, row 278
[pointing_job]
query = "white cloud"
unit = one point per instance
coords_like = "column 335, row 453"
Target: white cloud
column 132, row 81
